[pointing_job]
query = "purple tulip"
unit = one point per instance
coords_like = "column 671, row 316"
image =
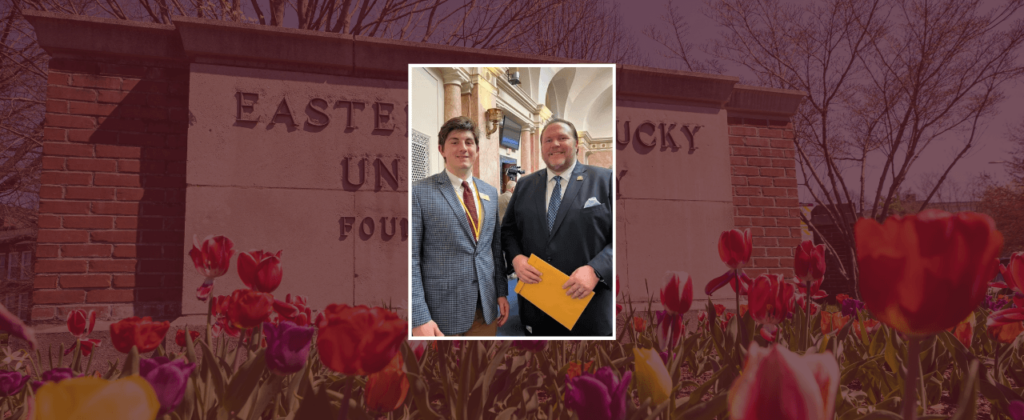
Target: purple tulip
column 287, row 346
column 11, row 383
column 599, row 396
column 169, row 379
column 53, row 375
column 851, row 307
column 530, row 345
column 1016, row 410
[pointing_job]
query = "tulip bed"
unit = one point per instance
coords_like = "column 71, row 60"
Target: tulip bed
column 929, row 338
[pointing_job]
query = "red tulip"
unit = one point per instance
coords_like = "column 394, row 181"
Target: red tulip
column 386, row 390
column 735, row 247
column 1006, row 325
column 771, row 299
column 86, row 344
column 719, row 309
column 260, row 270
column 249, row 308
column 80, row 323
column 294, row 310
column 840, row 298
column 809, row 263
column 639, row 324
column 1013, row 273
column 869, row 325
column 729, row 278
column 179, row 337
column 702, row 316
column 213, row 257
column 833, row 321
column 725, row 321
column 815, row 292
column 139, row 332
column 675, row 298
column 924, row 273
column 358, row 340
column 802, row 301
column 964, row 331
column 779, row 384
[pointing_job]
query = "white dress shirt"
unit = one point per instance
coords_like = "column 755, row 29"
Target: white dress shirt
column 457, row 183
column 551, row 184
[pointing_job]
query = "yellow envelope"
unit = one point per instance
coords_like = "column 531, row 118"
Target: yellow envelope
column 549, row 296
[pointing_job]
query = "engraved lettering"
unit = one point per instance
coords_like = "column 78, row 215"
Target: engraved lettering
column 636, row 134
column 345, row 173
column 618, row 185
column 383, row 173
column 691, row 131
column 322, row 118
column 384, row 228
column 284, row 110
column 348, row 119
column 382, row 120
column 666, row 137
column 405, row 229
column 367, row 223
column 246, row 103
column 346, row 226
column 625, row 134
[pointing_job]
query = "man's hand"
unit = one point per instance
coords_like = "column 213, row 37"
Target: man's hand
column 581, row 282
column 502, row 310
column 427, row 330
column 526, row 272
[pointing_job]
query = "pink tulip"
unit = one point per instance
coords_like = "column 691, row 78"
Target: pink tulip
column 735, row 247
column 80, row 323
column 260, row 270
column 779, row 384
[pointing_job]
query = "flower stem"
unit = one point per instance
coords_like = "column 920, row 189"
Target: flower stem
column 807, row 317
column 910, row 384
column 739, row 318
column 348, row 395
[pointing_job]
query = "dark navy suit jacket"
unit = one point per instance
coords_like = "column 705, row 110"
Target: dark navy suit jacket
column 581, row 236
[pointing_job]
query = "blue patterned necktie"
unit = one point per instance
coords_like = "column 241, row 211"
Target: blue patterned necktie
column 556, row 199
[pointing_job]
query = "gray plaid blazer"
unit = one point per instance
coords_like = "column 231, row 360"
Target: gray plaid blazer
column 449, row 268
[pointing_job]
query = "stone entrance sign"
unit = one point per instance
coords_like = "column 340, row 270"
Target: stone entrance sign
column 312, row 164
column 688, row 165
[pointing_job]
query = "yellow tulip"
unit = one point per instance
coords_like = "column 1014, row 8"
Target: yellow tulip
column 652, row 378
column 89, row 398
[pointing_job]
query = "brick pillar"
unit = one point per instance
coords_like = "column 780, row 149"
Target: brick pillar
column 112, row 199
column 763, row 158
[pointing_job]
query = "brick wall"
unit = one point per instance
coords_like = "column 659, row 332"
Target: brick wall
column 112, row 200
column 763, row 159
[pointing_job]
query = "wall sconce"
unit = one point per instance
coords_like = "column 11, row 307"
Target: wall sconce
column 494, row 116
column 513, row 76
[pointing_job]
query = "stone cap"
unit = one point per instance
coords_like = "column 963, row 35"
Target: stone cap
column 210, row 41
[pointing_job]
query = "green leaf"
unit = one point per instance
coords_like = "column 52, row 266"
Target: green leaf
column 882, row 415
column 244, row 382
column 417, row 386
column 317, row 405
column 188, row 403
column 890, row 355
column 714, row 407
column 217, row 375
column 967, row 406
column 131, row 364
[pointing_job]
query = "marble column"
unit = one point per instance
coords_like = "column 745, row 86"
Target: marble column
column 453, row 80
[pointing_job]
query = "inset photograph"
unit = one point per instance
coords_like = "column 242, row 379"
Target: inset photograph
column 511, row 201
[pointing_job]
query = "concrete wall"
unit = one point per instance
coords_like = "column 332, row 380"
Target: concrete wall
column 145, row 146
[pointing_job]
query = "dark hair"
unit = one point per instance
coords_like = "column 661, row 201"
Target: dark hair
column 458, row 124
column 572, row 128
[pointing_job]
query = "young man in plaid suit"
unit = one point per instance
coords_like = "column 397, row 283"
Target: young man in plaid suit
column 458, row 275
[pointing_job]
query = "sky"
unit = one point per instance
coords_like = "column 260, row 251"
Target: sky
column 992, row 145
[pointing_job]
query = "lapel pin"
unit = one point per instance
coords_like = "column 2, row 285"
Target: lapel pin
column 579, row 178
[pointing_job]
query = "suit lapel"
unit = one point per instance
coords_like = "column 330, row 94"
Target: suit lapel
column 570, row 195
column 539, row 198
column 448, row 191
column 488, row 212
